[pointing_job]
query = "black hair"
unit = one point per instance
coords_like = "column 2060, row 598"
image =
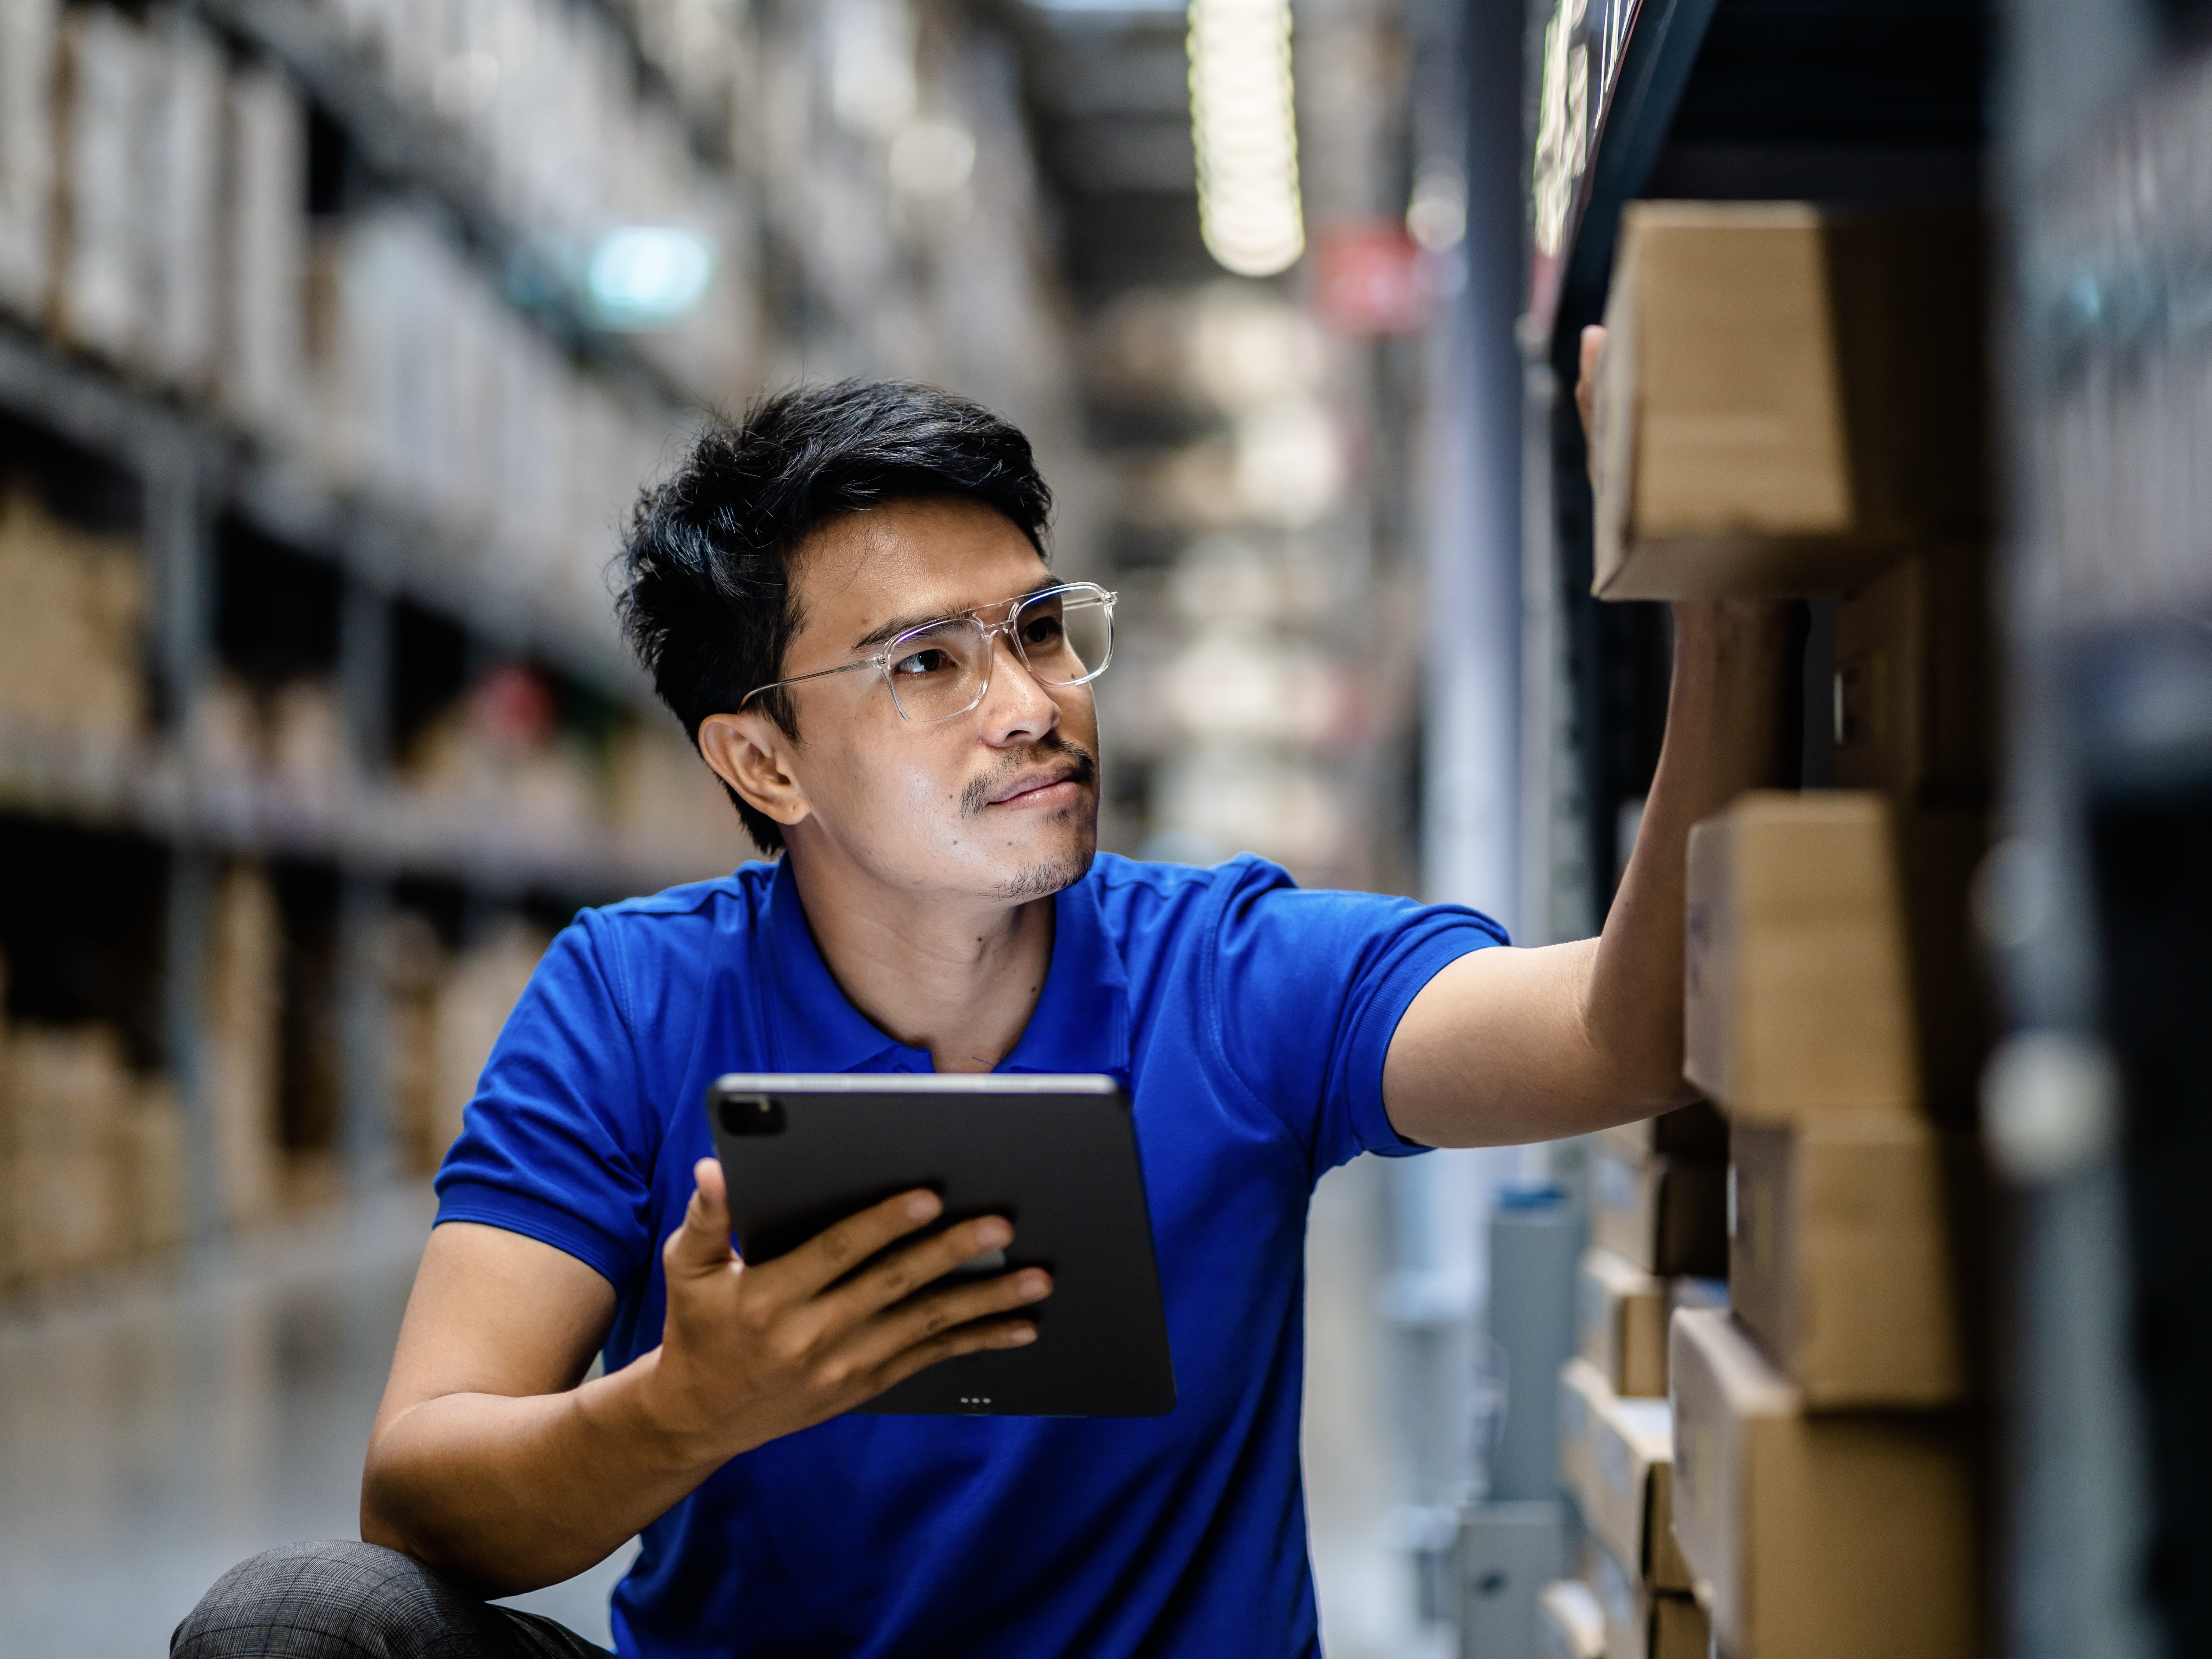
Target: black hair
column 705, row 595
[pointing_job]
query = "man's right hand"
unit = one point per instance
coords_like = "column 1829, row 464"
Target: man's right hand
column 750, row 1354
column 494, row 1460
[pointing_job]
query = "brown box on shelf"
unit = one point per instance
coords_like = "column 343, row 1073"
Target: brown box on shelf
column 1829, row 1537
column 1696, row 1131
column 1641, row 1623
column 1914, row 697
column 1790, row 401
column 1569, row 1623
column 1664, row 1215
column 1621, row 1320
column 1830, row 961
column 1798, row 994
column 1840, row 1262
column 1616, row 1458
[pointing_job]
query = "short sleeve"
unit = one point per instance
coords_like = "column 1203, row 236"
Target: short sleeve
column 1308, row 989
column 557, row 1143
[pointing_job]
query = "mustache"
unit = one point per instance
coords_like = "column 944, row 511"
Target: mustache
column 978, row 795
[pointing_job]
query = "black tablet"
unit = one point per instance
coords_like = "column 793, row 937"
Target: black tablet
column 1056, row 1156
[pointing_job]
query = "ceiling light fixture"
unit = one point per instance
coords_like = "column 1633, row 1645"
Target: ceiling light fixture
column 644, row 277
column 1244, row 129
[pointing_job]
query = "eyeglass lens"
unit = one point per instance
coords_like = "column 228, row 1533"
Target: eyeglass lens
column 941, row 671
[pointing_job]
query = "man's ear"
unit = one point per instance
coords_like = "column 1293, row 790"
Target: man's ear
column 752, row 754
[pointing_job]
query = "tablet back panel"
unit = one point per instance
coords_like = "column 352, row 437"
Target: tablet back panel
column 1057, row 1156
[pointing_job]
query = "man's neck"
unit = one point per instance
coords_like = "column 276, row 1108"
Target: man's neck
column 958, row 978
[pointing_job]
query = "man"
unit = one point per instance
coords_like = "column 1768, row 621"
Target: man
column 846, row 601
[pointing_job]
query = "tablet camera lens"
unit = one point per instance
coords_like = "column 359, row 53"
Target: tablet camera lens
column 752, row 1114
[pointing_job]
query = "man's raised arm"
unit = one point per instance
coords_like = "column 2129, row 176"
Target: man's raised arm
column 1509, row 1045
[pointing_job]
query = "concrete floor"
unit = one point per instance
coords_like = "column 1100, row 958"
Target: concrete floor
column 154, row 1431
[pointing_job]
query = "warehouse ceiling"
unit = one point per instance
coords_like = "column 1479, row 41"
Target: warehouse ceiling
column 1106, row 92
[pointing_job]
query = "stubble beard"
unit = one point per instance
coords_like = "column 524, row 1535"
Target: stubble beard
column 1048, row 875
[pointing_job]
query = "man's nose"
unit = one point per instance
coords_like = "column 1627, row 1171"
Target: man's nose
column 1015, row 708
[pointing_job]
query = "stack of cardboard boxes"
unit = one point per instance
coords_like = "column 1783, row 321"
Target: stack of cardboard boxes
column 1790, row 404
column 1658, row 1231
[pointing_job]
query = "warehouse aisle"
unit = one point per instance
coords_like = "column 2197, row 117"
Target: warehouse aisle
column 154, row 1434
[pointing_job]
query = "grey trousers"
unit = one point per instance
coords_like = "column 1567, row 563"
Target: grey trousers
column 345, row 1600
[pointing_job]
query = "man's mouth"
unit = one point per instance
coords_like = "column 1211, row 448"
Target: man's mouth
column 1059, row 781
column 1046, row 788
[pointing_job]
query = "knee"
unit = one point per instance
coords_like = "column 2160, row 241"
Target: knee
column 337, row 1600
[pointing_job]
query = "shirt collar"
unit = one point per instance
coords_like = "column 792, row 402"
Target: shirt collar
column 1081, row 1024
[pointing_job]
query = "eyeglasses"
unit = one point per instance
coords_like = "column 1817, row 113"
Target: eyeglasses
column 1064, row 637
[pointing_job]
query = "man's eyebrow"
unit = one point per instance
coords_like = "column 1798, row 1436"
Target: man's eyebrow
column 886, row 632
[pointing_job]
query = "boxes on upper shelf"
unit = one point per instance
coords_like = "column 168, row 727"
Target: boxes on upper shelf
column 1831, row 1537
column 1806, row 987
column 1616, row 1459
column 1839, row 1259
column 1642, row 1623
column 1569, row 1623
column 1789, row 399
column 1913, row 692
column 1663, row 1215
column 1620, row 1324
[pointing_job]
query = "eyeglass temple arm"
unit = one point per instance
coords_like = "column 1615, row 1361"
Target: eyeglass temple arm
column 818, row 674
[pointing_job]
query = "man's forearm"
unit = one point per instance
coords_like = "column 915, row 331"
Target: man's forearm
column 1732, row 658
column 514, row 1493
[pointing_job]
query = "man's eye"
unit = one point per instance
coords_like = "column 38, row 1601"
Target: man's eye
column 1042, row 630
column 931, row 660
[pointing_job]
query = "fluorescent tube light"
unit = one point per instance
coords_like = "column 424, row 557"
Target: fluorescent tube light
column 1244, row 129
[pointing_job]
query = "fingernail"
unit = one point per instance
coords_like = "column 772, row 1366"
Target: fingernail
column 1020, row 1334
column 996, row 1233
column 921, row 1205
column 1033, row 1286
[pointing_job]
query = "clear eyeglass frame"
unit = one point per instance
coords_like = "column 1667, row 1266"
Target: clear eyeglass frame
column 1085, row 594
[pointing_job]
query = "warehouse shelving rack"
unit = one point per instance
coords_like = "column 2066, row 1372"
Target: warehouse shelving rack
column 196, row 474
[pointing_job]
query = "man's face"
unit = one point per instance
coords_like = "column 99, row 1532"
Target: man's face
column 999, row 803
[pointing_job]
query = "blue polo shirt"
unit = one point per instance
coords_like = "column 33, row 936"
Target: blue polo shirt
column 1248, row 1021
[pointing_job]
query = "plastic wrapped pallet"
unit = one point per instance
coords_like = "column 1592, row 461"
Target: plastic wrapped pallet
column 28, row 70
column 99, row 284
column 264, row 365
column 183, row 169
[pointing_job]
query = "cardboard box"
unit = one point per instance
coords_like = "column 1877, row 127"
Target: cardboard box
column 1641, row 1623
column 1839, row 1259
column 1798, row 994
column 1831, row 963
column 1569, row 1624
column 1790, row 400
column 1616, row 1459
column 1663, row 1215
column 1837, row 1537
column 1696, row 1131
column 1914, row 691
column 1620, row 1324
